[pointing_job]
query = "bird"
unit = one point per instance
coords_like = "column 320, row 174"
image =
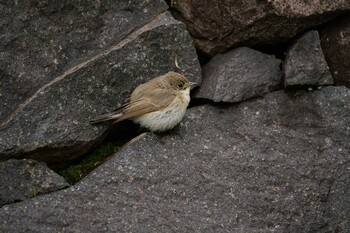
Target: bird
column 157, row 105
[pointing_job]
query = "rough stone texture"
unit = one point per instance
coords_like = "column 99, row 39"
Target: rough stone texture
column 41, row 39
column 305, row 63
column 275, row 164
column 220, row 24
column 23, row 179
column 240, row 74
column 55, row 117
column 336, row 47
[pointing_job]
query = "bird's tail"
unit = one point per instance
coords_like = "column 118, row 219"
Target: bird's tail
column 106, row 117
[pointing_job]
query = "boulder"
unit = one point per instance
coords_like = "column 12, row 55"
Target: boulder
column 43, row 39
column 305, row 64
column 23, row 179
column 274, row 164
column 51, row 123
column 218, row 25
column 336, row 47
column 240, row 74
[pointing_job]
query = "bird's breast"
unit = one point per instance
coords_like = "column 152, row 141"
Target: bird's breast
column 184, row 96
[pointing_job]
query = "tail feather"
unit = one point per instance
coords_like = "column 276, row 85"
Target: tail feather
column 106, row 117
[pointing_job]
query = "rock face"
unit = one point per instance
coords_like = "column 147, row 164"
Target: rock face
column 41, row 39
column 336, row 47
column 305, row 63
column 23, row 179
column 274, row 164
column 126, row 45
column 240, row 74
column 220, row 24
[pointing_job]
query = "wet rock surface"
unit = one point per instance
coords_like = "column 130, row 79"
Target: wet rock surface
column 305, row 64
column 240, row 74
column 56, row 117
column 278, row 163
column 24, row 179
column 221, row 24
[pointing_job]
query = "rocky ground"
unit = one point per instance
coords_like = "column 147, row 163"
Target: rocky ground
column 264, row 146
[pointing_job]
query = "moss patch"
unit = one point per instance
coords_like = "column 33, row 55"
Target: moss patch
column 96, row 157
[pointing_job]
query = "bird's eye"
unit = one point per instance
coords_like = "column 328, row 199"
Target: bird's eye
column 181, row 85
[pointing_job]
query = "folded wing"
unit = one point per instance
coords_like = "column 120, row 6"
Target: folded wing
column 149, row 102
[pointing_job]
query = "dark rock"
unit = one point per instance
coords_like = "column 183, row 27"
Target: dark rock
column 55, row 118
column 305, row 63
column 336, row 47
column 42, row 39
column 275, row 164
column 23, row 179
column 240, row 74
column 220, row 24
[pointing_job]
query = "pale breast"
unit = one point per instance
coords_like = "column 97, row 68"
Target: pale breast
column 167, row 118
column 184, row 96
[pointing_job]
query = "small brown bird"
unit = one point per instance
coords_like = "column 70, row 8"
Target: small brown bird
column 158, row 105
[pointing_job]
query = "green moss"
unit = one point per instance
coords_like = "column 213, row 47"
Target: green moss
column 97, row 156
column 35, row 191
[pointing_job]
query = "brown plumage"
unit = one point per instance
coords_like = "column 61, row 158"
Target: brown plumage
column 158, row 104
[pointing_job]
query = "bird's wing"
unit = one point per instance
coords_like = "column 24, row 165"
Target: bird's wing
column 150, row 102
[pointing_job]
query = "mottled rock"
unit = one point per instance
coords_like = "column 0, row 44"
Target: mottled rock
column 42, row 39
column 240, row 74
column 55, row 118
column 274, row 164
column 23, row 179
column 336, row 48
column 305, row 63
column 218, row 25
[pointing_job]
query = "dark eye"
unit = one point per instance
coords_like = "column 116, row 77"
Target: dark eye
column 181, row 85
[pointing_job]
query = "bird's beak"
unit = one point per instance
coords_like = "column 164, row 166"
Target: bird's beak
column 193, row 85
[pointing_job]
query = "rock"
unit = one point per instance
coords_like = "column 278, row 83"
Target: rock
column 240, row 74
column 273, row 164
column 305, row 63
column 42, row 39
column 220, row 24
column 23, row 179
column 52, row 123
column 336, row 47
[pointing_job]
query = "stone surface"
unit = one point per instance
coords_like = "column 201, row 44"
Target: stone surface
column 42, row 39
column 240, row 74
column 52, row 124
column 220, row 24
column 305, row 63
column 336, row 47
column 23, row 179
column 274, row 164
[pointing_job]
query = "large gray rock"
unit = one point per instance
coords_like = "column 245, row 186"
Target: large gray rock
column 305, row 64
column 42, row 39
column 240, row 74
column 23, row 179
column 52, row 123
column 275, row 164
column 218, row 25
column 336, row 47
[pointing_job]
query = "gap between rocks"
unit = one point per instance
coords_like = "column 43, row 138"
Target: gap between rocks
column 117, row 136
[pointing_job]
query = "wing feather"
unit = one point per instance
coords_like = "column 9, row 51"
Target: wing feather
column 141, row 102
column 152, row 102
